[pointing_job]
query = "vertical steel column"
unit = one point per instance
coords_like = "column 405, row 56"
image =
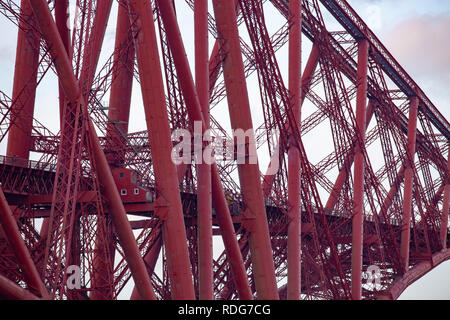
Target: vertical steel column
column 294, row 212
column 103, row 262
column 72, row 90
column 18, row 246
column 174, row 231
column 121, row 88
column 62, row 20
column 409, row 180
column 204, row 200
column 445, row 207
column 357, row 222
column 90, row 62
column 11, row 291
column 195, row 114
column 24, row 87
column 93, row 49
column 239, row 108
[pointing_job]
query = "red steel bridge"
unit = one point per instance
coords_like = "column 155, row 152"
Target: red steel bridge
column 357, row 208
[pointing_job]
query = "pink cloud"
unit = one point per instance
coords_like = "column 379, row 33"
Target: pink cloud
column 422, row 44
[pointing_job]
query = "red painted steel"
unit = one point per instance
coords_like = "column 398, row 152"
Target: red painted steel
column 62, row 18
column 409, row 180
column 174, row 233
column 118, row 115
column 294, row 213
column 11, row 291
column 121, row 88
column 239, row 108
column 11, row 230
column 136, row 265
column 70, row 85
column 229, row 238
column 343, row 173
column 416, row 273
column 307, row 75
column 92, row 49
column 204, row 212
column 151, row 258
column 195, row 114
column 24, row 88
column 445, row 209
column 113, row 202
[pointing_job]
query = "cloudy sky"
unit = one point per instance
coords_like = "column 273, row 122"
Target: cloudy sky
column 417, row 34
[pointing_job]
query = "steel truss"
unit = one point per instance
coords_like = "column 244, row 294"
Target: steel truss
column 312, row 229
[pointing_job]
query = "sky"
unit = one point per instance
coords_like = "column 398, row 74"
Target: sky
column 415, row 31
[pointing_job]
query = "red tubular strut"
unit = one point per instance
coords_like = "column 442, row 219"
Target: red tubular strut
column 358, row 217
column 72, row 91
column 343, row 174
column 11, row 291
column 307, row 77
column 24, row 88
column 121, row 88
column 174, row 232
column 195, row 114
column 204, row 200
column 150, row 259
column 61, row 19
column 118, row 115
column 409, row 180
column 239, row 108
column 294, row 212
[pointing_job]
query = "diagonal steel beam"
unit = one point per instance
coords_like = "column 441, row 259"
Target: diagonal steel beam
column 194, row 109
column 409, row 180
column 72, row 91
column 240, row 115
column 18, row 246
column 294, row 155
column 348, row 162
column 445, row 208
column 152, row 86
column 307, row 78
column 11, row 291
column 24, row 88
column 61, row 18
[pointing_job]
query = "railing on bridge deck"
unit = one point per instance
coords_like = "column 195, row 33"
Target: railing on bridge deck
column 29, row 164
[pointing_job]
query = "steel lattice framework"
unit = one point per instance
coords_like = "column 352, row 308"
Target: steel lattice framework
column 379, row 197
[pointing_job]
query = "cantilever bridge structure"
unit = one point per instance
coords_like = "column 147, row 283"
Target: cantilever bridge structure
column 363, row 221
